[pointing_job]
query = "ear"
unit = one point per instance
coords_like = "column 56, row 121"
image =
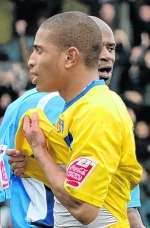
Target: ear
column 72, row 57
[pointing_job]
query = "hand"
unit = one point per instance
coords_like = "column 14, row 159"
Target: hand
column 34, row 134
column 17, row 161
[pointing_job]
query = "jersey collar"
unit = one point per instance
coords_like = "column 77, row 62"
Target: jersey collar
column 84, row 91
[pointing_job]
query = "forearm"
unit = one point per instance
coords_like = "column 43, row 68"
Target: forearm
column 56, row 177
column 135, row 218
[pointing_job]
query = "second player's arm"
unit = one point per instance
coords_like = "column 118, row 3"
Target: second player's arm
column 135, row 218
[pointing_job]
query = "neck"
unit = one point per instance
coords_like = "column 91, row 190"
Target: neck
column 76, row 83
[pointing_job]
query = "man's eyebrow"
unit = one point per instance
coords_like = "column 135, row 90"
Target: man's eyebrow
column 35, row 46
column 111, row 44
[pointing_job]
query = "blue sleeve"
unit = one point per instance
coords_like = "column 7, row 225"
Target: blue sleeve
column 6, row 138
column 135, row 198
column 54, row 108
column 6, row 119
column 5, row 193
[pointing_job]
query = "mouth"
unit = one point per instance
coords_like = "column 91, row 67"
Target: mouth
column 34, row 78
column 105, row 72
column 105, row 69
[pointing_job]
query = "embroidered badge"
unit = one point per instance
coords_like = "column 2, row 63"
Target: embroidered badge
column 60, row 126
column 79, row 170
column 4, row 181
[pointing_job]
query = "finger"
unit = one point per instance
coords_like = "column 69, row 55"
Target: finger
column 15, row 154
column 19, row 172
column 19, row 154
column 26, row 124
column 18, row 165
column 13, row 166
column 17, row 159
column 35, row 120
column 12, row 152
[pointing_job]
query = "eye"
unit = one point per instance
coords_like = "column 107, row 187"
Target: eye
column 37, row 50
column 111, row 49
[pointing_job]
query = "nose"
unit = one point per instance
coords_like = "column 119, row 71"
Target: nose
column 31, row 61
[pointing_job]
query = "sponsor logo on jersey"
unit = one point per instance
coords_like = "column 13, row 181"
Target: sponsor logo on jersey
column 79, row 170
column 4, row 181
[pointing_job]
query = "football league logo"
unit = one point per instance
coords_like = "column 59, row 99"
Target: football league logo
column 4, row 181
column 60, row 126
column 79, row 171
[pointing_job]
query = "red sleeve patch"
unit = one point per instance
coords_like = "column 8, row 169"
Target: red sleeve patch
column 79, row 170
column 4, row 181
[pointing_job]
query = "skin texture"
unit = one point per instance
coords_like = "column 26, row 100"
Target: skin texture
column 42, row 62
column 135, row 218
column 42, row 57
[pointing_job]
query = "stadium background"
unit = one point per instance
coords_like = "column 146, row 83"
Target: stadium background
column 130, row 22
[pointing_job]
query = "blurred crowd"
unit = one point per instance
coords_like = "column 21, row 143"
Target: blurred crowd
column 130, row 22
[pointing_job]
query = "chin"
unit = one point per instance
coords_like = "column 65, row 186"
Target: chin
column 44, row 89
column 41, row 89
column 38, row 88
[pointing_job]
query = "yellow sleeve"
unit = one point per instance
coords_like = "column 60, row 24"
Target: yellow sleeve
column 94, row 154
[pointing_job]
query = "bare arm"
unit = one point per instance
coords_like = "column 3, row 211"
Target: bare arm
column 20, row 26
column 135, row 218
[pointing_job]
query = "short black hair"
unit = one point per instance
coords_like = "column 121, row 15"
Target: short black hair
column 76, row 29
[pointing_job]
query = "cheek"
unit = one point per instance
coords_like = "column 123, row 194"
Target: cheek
column 113, row 57
column 45, row 70
column 49, row 74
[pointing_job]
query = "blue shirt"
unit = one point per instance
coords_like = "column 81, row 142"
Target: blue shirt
column 135, row 198
column 29, row 198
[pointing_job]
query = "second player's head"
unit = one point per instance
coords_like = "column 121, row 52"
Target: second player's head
column 107, row 55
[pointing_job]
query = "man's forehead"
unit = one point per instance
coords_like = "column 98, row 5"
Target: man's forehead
column 41, row 36
column 108, row 38
column 43, row 32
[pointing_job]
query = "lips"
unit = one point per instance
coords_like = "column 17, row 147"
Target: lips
column 106, row 69
column 105, row 73
column 34, row 77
